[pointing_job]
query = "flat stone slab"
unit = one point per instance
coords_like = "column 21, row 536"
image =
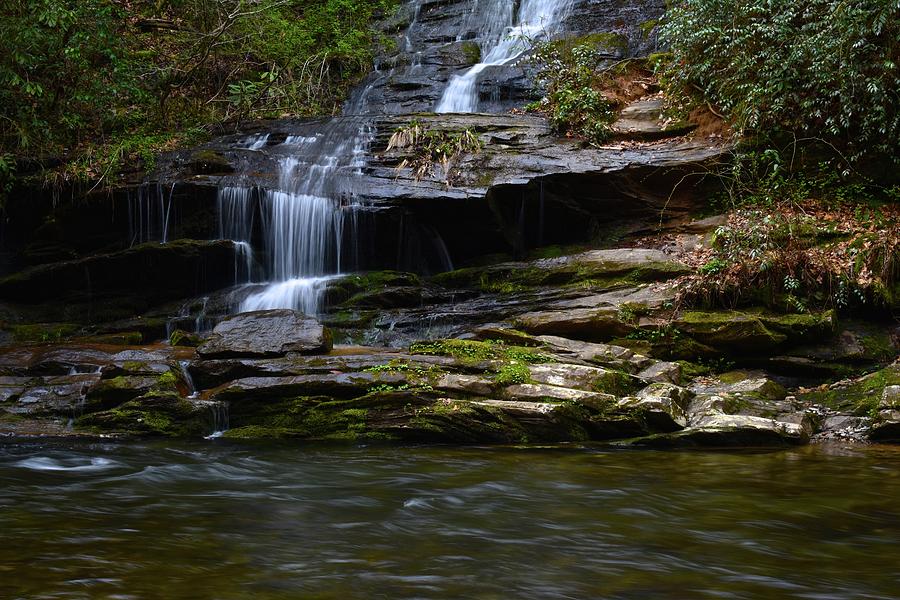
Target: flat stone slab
column 266, row 333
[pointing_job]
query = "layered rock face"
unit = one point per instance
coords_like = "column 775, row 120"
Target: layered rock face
column 312, row 283
column 284, row 382
column 437, row 40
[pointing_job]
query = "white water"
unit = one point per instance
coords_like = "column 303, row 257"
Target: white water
column 505, row 37
column 303, row 217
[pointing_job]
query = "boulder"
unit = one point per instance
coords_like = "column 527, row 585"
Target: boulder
column 661, row 405
column 266, row 333
column 593, row 379
column 732, row 431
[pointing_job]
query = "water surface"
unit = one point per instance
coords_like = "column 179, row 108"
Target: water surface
column 219, row 520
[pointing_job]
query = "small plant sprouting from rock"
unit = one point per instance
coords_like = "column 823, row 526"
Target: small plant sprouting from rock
column 429, row 149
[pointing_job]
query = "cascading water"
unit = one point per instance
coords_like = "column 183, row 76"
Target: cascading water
column 150, row 213
column 303, row 218
column 505, row 37
column 306, row 225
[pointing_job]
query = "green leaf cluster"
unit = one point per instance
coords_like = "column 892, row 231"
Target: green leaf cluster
column 91, row 83
column 818, row 69
column 573, row 73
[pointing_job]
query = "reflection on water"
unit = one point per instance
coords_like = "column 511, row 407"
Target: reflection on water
column 225, row 521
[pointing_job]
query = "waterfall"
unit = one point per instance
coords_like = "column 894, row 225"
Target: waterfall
column 302, row 217
column 150, row 213
column 504, row 38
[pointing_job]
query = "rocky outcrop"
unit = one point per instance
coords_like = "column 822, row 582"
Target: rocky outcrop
column 539, row 389
column 122, row 284
column 267, row 333
column 437, row 40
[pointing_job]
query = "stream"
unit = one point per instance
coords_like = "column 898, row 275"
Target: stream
column 268, row 521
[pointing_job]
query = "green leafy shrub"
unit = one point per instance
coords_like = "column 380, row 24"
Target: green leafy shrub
column 97, row 82
column 823, row 69
column 573, row 76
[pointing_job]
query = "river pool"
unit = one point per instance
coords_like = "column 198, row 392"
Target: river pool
column 224, row 520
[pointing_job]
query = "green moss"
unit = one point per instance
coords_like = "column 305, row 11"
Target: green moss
column 349, row 319
column 256, row 432
column 601, row 41
column 616, row 383
column 690, row 370
column 473, row 351
column 209, row 161
column 44, row 332
column 512, row 278
column 647, row 27
column 512, row 373
column 155, row 413
column 184, row 338
column 472, row 52
column 860, row 397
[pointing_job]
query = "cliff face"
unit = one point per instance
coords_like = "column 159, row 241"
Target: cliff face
column 436, row 39
column 393, row 224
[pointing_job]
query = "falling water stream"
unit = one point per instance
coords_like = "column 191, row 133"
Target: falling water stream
column 301, row 225
column 505, row 37
column 303, row 215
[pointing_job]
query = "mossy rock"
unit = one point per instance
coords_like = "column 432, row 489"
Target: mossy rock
column 472, row 52
column 129, row 381
column 209, row 162
column 363, row 289
column 729, row 331
column 124, row 338
column 598, row 269
column 180, row 337
column 155, row 413
column 475, row 351
column 861, row 397
column 44, row 332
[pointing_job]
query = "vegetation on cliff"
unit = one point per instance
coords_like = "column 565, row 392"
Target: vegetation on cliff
column 89, row 84
column 822, row 70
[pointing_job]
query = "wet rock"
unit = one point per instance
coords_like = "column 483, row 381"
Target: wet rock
column 46, row 396
column 156, row 413
column 266, row 333
column 121, row 284
column 752, row 332
column 660, row 405
column 733, row 431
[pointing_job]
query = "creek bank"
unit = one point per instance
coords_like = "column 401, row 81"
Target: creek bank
column 538, row 389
